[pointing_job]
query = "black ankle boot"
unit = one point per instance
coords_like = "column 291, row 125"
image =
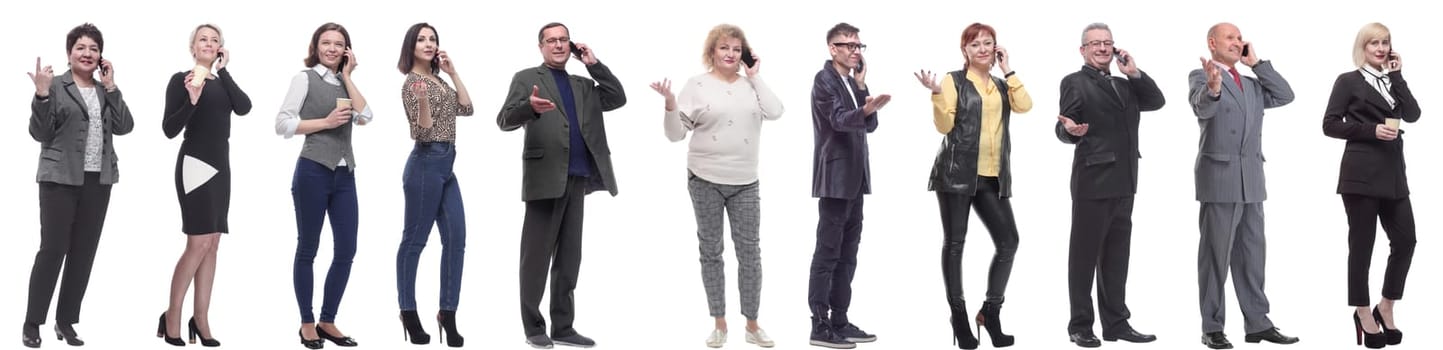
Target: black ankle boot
column 412, row 324
column 961, row 331
column 446, row 320
column 987, row 318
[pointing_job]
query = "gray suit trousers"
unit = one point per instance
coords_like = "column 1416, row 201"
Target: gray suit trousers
column 1232, row 236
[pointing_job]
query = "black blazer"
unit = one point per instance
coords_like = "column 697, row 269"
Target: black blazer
column 841, row 165
column 1370, row 166
column 546, row 155
column 955, row 168
column 1104, row 162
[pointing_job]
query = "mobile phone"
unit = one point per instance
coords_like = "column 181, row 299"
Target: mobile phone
column 575, row 51
column 100, row 65
column 1117, row 55
column 344, row 60
column 860, row 63
column 1392, row 56
column 435, row 64
column 747, row 57
column 1246, row 51
column 1000, row 55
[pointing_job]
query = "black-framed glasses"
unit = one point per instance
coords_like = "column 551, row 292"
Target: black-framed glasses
column 1097, row 43
column 857, row 47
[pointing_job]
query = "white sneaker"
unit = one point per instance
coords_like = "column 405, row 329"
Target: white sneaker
column 717, row 338
column 760, row 338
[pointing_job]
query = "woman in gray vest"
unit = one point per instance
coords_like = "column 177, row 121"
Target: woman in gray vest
column 323, row 103
column 73, row 116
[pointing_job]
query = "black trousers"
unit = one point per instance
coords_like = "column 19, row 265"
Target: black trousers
column 834, row 261
column 1101, row 243
column 551, row 238
column 71, row 218
column 1364, row 213
column 996, row 214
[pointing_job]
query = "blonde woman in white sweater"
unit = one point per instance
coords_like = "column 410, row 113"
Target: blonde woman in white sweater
column 724, row 111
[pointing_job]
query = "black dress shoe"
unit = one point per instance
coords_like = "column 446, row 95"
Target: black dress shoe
column 1216, row 340
column 1127, row 334
column 1085, row 339
column 1271, row 335
column 67, row 333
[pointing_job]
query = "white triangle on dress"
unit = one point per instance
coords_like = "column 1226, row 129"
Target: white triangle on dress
column 195, row 172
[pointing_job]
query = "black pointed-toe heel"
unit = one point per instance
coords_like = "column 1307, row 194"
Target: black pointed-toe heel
column 67, row 333
column 30, row 335
column 161, row 333
column 339, row 340
column 195, row 333
column 1369, row 340
column 411, row 324
column 1393, row 335
column 446, row 320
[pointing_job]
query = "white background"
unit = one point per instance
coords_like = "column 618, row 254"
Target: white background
column 640, row 286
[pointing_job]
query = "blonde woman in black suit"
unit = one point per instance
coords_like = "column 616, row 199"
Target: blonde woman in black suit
column 1365, row 108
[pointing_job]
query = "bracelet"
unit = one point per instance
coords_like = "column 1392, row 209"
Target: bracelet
column 42, row 98
column 1009, row 74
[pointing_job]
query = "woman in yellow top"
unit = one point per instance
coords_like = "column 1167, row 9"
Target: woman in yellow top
column 971, row 108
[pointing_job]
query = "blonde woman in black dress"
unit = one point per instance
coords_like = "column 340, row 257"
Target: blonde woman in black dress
column 200, row 102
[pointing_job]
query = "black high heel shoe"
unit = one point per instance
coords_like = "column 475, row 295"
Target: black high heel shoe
column 161, row 333
column 1393, row 335
column 30, row 335
column 961, row 331
column 311, row 343
column 66, row 333
column 411, row 323
column 987, row 318
column 195, row 333
column 1369, row 340
column 340, row 340
column 446, row 320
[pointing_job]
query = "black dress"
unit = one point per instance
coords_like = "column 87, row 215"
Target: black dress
column 202, row 169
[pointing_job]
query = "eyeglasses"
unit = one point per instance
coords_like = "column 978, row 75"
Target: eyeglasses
column 857, row 47
column 558, row 41
column 1098, row 43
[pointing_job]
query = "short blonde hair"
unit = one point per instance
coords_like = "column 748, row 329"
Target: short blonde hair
column 196, row 32
column 1369, row 32
column 718, row 33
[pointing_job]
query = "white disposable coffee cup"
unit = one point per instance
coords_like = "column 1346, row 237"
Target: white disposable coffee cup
column 1392, row 122
column 343, row 103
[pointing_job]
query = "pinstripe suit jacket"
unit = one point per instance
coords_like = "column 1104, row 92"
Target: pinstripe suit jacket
column 1230, row 159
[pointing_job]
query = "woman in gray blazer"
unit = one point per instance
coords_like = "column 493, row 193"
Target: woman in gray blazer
column 73, row 116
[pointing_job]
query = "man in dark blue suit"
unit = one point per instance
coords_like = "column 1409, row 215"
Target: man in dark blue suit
column 843, row 113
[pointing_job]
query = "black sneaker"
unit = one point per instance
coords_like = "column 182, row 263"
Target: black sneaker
column 823, row 336
column 539, row 341
column 854, row 334
column 574, row 340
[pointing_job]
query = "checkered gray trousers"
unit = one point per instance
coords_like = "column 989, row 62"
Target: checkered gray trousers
column 742, row 204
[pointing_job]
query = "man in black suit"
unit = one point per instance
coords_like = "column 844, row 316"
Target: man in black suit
column 565, row 157
column 843, row 113
column 1104, row 181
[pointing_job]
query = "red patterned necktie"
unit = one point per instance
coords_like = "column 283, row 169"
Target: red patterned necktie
column 1237, row 79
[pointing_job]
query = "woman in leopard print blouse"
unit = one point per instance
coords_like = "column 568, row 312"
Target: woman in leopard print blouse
column 432, row 193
